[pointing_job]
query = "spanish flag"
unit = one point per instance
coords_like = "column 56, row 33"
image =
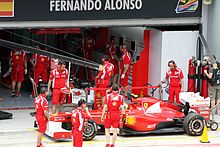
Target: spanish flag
column 6, row 8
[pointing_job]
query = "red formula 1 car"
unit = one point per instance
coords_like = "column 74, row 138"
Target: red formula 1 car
column 143, row 116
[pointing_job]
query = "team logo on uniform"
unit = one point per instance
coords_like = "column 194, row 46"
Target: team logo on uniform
column 114, row 103
column 6, row 8
column 186, row 6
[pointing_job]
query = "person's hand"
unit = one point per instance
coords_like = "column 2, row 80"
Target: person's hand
column 25, row 71
column 206, row 72
column 102, row 119
column 123, row 76
column 47, row 93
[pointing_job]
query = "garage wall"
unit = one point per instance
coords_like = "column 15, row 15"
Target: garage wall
column 155, row 58
column 179, row 46
column 213, row 28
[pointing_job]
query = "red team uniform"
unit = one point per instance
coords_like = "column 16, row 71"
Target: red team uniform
column 17, row 60
column 125, row 59
column 41, row 64
column 105, row 75
column 41, row 105
column 111, row 52
column 59, row 79
column 78, row 117
column 113, row 101
column 175, row 77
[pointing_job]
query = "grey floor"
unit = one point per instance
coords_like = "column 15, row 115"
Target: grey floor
column 19, row 130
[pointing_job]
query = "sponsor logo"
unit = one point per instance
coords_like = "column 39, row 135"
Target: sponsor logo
column 186, row 6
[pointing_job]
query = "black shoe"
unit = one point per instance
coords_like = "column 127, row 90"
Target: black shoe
column 13, row 93
column 32, row 114
column 35, row 124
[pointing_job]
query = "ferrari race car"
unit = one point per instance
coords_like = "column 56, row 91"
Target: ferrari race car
column 143, row 115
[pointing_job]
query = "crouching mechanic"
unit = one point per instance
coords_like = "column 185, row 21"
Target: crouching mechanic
column 78, row 117
column 42, row 114
column 111, row 113
column 59, row 76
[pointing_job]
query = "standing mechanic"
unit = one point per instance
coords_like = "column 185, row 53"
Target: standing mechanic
column 111, row 113
column 42, row 114
column 40, row 64
column 175, row 77
column 111, row 52
column 78, row 118
column 125, row 67
column 18, row 67
column 104, row 75
column 59, row 76
column 88, row 47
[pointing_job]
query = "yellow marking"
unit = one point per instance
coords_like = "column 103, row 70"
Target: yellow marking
column 6, row 6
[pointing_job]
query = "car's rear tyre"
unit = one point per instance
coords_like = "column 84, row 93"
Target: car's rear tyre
column 213, row 126
column 90, row 131
column 193, row 124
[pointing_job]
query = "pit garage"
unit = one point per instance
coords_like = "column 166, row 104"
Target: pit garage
column 153, row 31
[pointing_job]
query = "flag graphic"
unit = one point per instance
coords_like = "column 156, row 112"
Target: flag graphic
column 6, row 8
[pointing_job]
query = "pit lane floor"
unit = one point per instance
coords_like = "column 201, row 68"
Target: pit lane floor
column 20, row 132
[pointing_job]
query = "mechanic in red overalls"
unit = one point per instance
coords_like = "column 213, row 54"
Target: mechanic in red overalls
column 111, row 52
column 59, row 77
column 18, row 67
column 175, row 77
column 40, row 63
column 111, row 113
column 78, row 119
column 104, row 75
column 42, row 115
column 125, row 67
column 88, row 47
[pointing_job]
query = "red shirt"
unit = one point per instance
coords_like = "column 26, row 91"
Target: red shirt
column 174, row 76
column 77, row 119
column 114, row 101
column 41, row 104
column 59, row 78
column 40, row 61
column 107, row 71
column 89, row 44
column 111, row 52
column 125, row 59
column 17, row 60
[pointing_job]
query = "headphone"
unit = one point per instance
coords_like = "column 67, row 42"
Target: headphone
column 173, row 62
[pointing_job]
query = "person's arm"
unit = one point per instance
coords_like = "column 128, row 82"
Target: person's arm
column 182, row 85
column 46, row 113
column 48, row 86
column 105, row 108
column 88, row 116
column 209, row 75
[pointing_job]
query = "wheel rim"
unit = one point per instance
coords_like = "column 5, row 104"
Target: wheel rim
column 197, row 125
column 88, row 130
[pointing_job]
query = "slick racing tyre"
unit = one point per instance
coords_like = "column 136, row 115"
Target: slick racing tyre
column 90, row 130
column 193, row 124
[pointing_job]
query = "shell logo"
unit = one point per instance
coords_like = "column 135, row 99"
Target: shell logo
column 145, row 105
column 114, row 103
column 130, row 120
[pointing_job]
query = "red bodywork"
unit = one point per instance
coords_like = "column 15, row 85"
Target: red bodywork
column 136, row 117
